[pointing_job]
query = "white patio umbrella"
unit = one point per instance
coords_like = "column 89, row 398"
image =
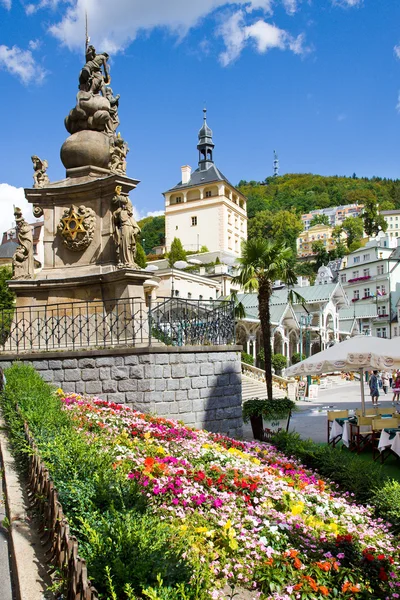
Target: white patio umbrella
column 382, row 357
column 355, row 354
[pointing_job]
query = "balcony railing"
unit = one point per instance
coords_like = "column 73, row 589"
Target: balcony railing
column 115, row 323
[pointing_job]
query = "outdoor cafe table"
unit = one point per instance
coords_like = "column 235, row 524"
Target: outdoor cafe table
column 390, row 438
column 342, row 427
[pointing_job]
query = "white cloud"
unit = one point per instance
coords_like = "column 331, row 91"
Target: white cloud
column 114, row 25
column 34, row 44
column 348, row 3
column 11, row 196
column 155, row 213
column 396, row 50
column 6, row 4
column 265, row 36
column 21, row 63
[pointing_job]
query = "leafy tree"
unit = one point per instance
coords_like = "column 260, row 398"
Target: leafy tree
column 176, row 253
column 353, row 227
column 140, row 256
column 263, row 262
column 320, row 220
column 283, row 226
column 279, row 362
column 204, row 249
column 297, row 357
column 373, row 221
column 321, row 254
column 153, row 232
column 7, row 297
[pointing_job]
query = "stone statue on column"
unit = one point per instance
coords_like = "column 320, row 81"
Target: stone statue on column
column 125, row 230
column 23, row 261
column 40, row 177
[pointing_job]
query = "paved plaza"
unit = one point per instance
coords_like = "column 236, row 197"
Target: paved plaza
column 310, row 418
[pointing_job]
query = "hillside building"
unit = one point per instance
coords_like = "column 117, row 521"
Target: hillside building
column 204, row 208
column 335, row 214
column 392, row 218
column 370, row 277
column 316, row 233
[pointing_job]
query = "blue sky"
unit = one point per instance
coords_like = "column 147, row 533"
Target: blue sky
column 318, row 80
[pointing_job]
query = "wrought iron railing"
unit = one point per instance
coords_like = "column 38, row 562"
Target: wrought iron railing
column 122, row 322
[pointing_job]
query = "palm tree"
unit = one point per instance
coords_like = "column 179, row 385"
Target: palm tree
column 262, row 263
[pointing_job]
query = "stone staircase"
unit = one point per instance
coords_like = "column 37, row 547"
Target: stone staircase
column 251, row 388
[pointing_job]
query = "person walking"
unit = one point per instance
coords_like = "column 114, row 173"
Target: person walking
column 385, row 381
column 396, row 389
column 374, row 388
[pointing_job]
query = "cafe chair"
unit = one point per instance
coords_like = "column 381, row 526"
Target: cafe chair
column 360, row 434
column 368, row 412
column 389, row 410
column 377, row 427
column 332, row 415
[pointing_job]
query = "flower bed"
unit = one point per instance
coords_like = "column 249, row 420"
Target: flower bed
column 252, row 517
column 169, row 513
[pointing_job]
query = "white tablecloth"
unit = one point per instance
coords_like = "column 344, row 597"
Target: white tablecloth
column 344, row 431
column 386, row 442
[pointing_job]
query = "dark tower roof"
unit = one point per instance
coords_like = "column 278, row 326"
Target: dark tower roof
column 205, row 145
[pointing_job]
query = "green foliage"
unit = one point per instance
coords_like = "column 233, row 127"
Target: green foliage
column 283, row 226
column 320, row 220
column 297, row 357
column 140, row 256
column 386, row 501
column 247, row 359
column 321, row 253
column 203, row 249
column 279, row 362
column 347, row 469
column 7, row 297
column 269, row 409
column 124, row 544
column 303, row 192
column 153, row 232
column 176, row 253
column 373, row 221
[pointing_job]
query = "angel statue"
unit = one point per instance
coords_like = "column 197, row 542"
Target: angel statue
column 40, row 177
column 23, row 262
column 118, row 153
column 125, row 230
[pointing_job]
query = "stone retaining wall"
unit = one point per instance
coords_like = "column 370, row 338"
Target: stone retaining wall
column 200, row 386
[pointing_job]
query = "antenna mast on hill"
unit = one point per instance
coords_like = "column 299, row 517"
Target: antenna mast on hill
column 276, row 164
column 87, row 38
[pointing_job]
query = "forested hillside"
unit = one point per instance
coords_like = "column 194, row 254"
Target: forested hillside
column 305, row 192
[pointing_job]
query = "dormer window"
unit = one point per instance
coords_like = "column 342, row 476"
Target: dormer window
column 208, row 194
column 178, row 199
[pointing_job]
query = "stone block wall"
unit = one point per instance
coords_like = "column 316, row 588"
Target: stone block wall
column 200, row 386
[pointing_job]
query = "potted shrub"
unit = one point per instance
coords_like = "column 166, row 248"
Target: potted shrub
column 267, row 416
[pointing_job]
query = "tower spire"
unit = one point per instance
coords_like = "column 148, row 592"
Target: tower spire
column 205, row 145
column 276, row 164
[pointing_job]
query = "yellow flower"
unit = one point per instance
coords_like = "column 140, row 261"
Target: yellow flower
column 147, row 435
column 201, row 529
column 297, row 508
column 184, row 527
column 228, row 524
column 332, row 527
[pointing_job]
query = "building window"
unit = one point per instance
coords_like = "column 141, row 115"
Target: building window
column 395, row 332
column 189, row 295
column 356, row 295
column 176, row 293
column 178, row 199
column 366, row 272
column 343, row 278
column 356, row 259
column 200, row 297
column 355, row 274
column 208, row 194
column 380, row 270
column 366, row 293
column 194, row 221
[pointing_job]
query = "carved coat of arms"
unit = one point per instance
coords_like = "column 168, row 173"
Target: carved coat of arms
column 77, row 227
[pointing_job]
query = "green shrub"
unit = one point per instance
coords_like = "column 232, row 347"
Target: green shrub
column 297, row 357
column 279, row 362
column 247, row 359
column 125, row 546
column 269, row 409
column 387, row 503
column 348, row 470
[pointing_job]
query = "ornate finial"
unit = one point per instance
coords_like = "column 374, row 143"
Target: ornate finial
column 205, row 113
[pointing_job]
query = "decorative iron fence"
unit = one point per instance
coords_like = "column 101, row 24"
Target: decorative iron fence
column 121, row 322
